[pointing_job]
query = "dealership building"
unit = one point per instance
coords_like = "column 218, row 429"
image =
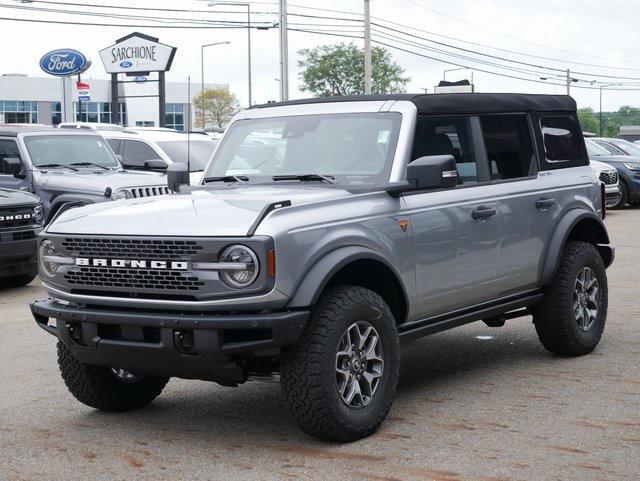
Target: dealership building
column 51, row 100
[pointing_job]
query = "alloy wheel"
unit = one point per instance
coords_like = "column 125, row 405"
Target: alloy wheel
column 585, row 299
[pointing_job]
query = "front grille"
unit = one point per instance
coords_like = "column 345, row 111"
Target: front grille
column 151, row 191
column 16, row 217
column 17, row 236
column 609, row 177
column 132, row 248
column 87, row 277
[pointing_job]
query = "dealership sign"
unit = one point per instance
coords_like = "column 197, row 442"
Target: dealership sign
column 64, row 62
column 137, row 53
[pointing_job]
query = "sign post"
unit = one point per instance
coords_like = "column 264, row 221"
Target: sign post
column 137, row 55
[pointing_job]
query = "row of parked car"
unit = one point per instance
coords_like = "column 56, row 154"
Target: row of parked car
column 44, row 170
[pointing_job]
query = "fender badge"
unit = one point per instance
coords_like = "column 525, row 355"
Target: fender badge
column 403, row 223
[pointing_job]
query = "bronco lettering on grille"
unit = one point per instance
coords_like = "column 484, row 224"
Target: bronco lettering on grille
column 132, row 264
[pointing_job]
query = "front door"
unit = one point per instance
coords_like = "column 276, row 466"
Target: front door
column 8, row 149
column 456, row 232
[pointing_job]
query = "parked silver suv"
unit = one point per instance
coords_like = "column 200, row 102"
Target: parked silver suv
column 325, row 232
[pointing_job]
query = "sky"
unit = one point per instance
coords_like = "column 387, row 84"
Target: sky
column 593, row 37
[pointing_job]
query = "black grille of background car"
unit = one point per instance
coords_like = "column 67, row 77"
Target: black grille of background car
column 142, row 249
column 137, row 192
column 17, row 236
column 118, row 278
column 609, row 177
column 14, row 212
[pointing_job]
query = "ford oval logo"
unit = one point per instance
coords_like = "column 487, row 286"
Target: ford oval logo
column 64, row 62
column 126, row 64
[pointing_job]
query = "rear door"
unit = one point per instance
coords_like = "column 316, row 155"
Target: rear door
column 455, row 231
column 527, row 201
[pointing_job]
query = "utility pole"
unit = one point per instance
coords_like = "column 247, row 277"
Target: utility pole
column 367, row 47
column 568, row 82
column 284, row 52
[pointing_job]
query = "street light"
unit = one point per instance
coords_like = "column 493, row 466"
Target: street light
column 600, row 114
column 202, row 47
column 240, row 4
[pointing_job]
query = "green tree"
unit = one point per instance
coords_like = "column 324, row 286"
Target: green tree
column 589, row 121
column 215, row 107
column 330, row 70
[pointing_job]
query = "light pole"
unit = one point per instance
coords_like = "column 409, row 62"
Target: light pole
column 600, row 114
column 202, row 47
column 240, row 4
column 367, row 47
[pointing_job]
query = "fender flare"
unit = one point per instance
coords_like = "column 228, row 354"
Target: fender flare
column 60, row 201
column 319, row 275
column 600, row 238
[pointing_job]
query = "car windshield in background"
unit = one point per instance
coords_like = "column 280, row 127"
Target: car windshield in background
column 198, row 152
column 348, row 148
column 594, row 149
column 73, row 151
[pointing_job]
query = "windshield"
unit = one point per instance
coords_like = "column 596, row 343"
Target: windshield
column 594, row 149
column 350, row 148
column 75, row 151
column 199, row 152
column 628, row 147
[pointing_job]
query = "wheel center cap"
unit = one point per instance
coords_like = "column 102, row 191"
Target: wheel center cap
column 357, row 365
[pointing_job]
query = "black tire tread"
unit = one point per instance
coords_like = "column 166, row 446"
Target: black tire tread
column 553, row 327
column 17, row 281
column 96, row 386
column 304, row 390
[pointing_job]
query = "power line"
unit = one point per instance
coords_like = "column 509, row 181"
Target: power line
column 62, row 22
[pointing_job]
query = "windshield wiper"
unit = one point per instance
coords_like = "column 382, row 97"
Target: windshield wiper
column 52, row 166
column 89, row 164
column 304, row 177
column 241, row 179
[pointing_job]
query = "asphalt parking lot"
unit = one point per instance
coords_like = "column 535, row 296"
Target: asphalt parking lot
column 474, row 404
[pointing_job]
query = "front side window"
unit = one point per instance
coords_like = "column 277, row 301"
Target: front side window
column 611, row 149
column 350, row 148
column 74, row 151
column 195, row 154
column 563, row 141
column 447, row 136
column 8, row 149
column 507, row 139
column 135, row 153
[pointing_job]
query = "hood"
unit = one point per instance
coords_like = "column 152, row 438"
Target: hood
column 90, row 180
column 10, row 198
column 615, row 158
column 206, row 212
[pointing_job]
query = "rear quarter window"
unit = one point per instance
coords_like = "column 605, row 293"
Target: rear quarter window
column 562, row 142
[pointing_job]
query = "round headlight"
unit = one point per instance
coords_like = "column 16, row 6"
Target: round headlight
column 38, row 214
column 119, row 194
column 46, row 252
column 247, row 266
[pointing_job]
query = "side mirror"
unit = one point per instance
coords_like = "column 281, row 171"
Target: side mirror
column 156, row 164
column 177, row 176
column 433, row 172
column 12, row 166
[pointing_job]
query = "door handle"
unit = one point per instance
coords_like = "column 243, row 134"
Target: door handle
column 483, row 212
column 545, row 203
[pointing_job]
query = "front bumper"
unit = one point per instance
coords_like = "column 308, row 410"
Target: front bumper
column 18, row 257
column 612, row 194
column 173, row 344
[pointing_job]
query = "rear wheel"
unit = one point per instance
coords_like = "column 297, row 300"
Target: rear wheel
column 571, row 318
column 17, row 281
column 107, row 389
column 340, row 378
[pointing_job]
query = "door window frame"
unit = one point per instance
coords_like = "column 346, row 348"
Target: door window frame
column 545, row 164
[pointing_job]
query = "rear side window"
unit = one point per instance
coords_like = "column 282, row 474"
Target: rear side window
column 8, row 149
column 447, row 136
column 563, row 141
column 135, row 153
column 509, row 146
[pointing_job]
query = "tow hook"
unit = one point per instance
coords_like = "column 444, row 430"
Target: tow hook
column 183, row 341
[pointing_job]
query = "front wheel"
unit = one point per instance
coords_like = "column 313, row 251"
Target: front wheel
column 624, row 197
column 571, row 317
column 17, row 281
column 340, row 378
column 107, row 389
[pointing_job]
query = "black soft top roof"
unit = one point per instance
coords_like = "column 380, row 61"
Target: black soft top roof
column 461, row 103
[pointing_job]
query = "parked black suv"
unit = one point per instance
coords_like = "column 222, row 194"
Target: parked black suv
column 21, row 218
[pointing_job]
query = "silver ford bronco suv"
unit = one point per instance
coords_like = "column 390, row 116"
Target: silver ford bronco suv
column 324, row 233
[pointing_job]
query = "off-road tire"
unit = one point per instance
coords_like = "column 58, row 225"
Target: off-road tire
column 308, row 376
column 17, row 281
column 97, row 387
column 624, row 197
column 554, row 318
